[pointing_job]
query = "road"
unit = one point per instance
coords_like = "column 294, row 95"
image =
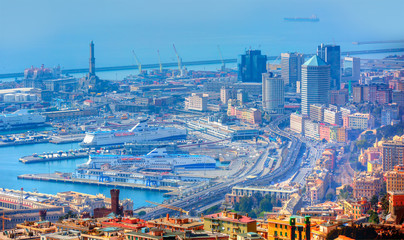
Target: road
column 217, row 191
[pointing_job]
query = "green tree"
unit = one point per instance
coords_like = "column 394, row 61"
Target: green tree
column 373, row 218
column 373, row 201
column 142, row 213
column 265, row 205
column 385, row 203
column 329, row 196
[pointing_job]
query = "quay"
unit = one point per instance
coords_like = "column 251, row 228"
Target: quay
column 192, row 63
column 27, row 142
column 48, row 157
column 67, row 178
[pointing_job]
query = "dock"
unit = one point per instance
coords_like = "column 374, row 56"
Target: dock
column 48, row 157
column 28, row 142
column 67, row 178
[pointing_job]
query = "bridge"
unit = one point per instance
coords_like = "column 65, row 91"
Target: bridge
column 192, row 63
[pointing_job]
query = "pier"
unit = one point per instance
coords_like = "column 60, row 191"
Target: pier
column 67, row 178
column 48, row 157
column 192, row 63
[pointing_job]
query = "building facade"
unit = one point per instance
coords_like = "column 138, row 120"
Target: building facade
column 331, row 54
column 291, row 68
column 315, row 83
column 252, row 66
column 273, row 94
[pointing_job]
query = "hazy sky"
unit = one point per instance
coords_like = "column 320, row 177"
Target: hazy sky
column 58, row 32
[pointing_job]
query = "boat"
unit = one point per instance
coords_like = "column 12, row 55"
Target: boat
column 313, row 18
column 158, row 159
column 142, row 132
column 21, row 119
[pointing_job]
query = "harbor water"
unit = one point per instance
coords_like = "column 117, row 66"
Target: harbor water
column 10, row 168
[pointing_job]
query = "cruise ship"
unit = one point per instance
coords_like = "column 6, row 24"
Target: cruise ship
column 21, row 119
column 142, row 132
column 158, row 159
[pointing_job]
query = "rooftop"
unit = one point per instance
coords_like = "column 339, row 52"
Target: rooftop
column 315, row 61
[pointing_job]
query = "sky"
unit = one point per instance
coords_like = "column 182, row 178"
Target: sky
column 55, row 32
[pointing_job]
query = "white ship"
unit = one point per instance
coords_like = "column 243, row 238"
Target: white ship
column 139, row 133
column 21, row 119
column 158, row 159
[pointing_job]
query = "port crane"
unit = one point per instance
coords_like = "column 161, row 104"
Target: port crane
column 161, row 65
column 139, row 64
column 169, row 207
column 221, row 57
column 179, row 61
column 3, row 218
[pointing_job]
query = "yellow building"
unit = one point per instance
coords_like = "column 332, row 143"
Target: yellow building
column 279, row 229
column 229, row 223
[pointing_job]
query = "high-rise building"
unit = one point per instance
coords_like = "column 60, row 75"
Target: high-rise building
column 392, row 154
column 291, row 68
column 252, row 65
column 352, row 69
column 331, row 54
column 273, row 94
column 315, row 83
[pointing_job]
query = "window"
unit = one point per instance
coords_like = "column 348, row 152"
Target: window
column 276, row 225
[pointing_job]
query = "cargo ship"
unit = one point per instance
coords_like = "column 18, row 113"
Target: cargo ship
column 142, row 132
column 21, row 119
column 313, row 18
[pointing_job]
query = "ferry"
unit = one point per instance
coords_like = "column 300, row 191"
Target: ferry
column 157, row 159
column 21, row 119
column 142, row 132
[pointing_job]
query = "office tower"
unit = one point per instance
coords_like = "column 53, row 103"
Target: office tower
column 273, row 94
column 315, row 83
column 331, row 54
column 352, row 68
column 252, row 65
column 291, row 68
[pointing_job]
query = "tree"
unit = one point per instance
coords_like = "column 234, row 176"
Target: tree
column 265, row 205
column 373, row 218
column 329, row 196
column 385, row 203
column 373, row 201
column 142, row 213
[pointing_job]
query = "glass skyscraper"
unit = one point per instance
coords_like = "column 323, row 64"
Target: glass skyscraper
column 252, row 65
column 331, row 54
